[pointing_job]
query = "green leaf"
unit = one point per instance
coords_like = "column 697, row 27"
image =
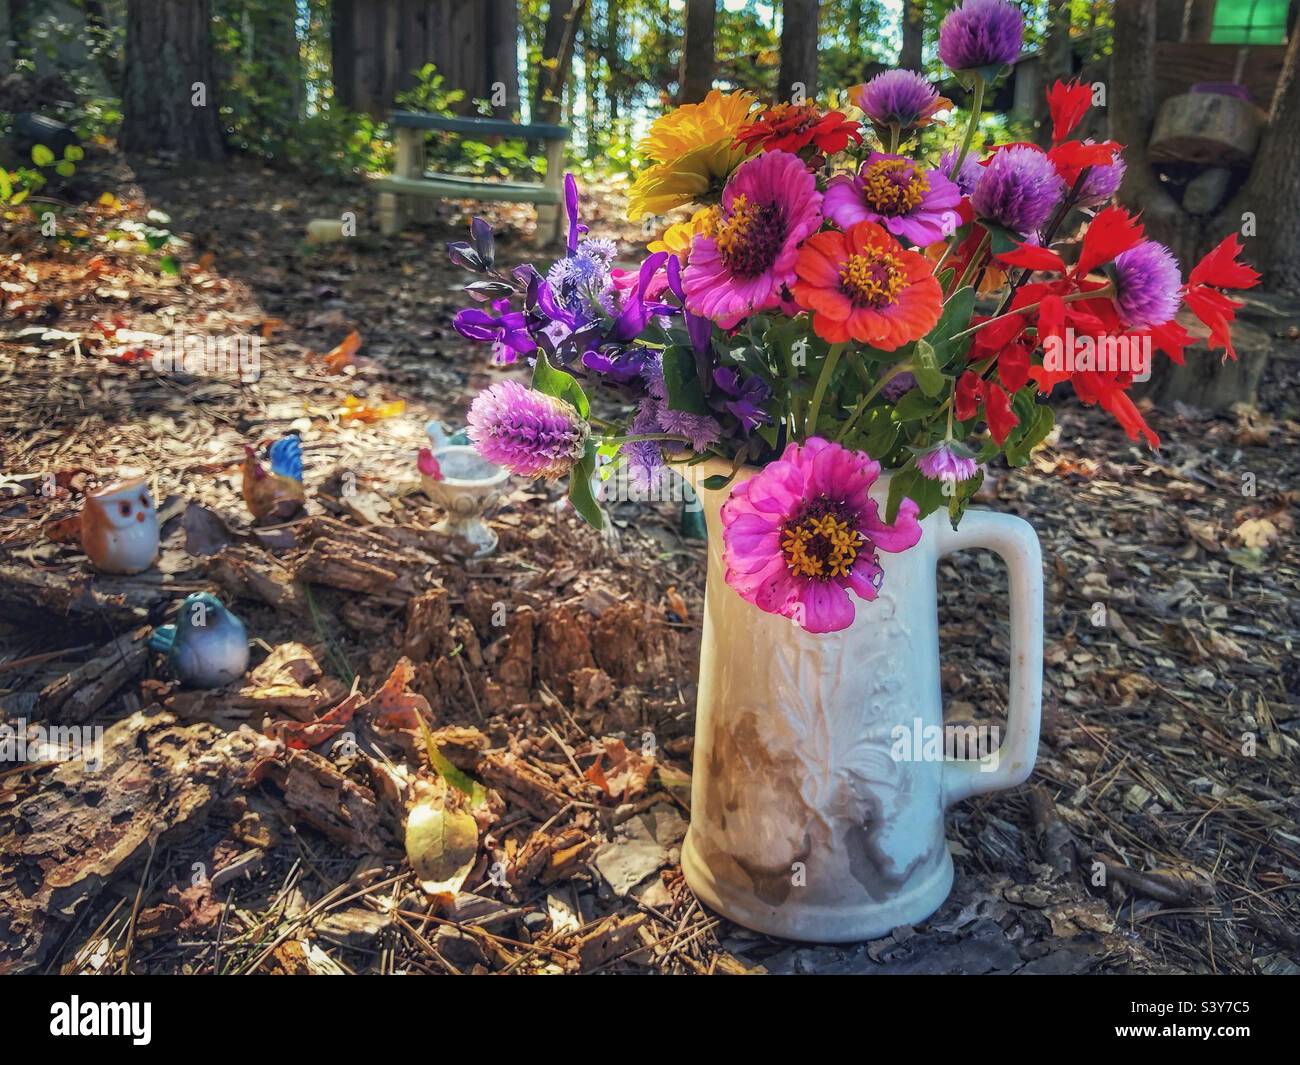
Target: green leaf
column 1001, row 239
column 913, row 405
column 955, row 319
column 682, row 382
column 1031, row 432
column 65, row 169
column 925, row 367
column 580, row 495
column 716, row 482
column 551, row 381
column 6, row 186
column 909, row 482
column 169, row 266
column 73, row 153
column 457, row 778
column 41, row 155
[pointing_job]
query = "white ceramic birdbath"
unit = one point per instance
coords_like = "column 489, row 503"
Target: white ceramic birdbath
column 469, row 485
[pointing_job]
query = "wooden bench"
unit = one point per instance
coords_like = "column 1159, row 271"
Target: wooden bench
column 410, row 179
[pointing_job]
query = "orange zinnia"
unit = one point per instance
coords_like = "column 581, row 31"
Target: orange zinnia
column 863, row 285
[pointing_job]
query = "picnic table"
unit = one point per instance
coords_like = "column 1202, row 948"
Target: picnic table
column 411, row 179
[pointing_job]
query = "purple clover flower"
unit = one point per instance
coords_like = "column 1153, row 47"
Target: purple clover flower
column 1148, row 285
column 967, row 177
column 900, row 98
column 981, row 33
column 1018, row 190
column 528, row 432
column 1101, row 182
column 700, row 429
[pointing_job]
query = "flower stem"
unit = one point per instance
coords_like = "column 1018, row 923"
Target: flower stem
column 644, row 436
column 819, row 392
column 975, row 258
column 1094, row 294
column 977, row 105
column 902, row 367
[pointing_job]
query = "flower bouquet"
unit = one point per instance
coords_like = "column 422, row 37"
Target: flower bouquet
column 835, row 305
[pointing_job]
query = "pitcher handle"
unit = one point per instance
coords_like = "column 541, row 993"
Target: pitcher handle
column 1015, row 540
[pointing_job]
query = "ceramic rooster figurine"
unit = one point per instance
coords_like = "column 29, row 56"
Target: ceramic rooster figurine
column 208, row 645
column 275, row 495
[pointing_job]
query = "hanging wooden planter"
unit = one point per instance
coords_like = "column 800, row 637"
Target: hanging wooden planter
column 1211, row 129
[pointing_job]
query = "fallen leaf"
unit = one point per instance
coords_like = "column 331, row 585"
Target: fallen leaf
column 344, row 354
column 441, row 845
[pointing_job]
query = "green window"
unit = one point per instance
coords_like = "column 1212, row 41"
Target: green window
column 1249, row 22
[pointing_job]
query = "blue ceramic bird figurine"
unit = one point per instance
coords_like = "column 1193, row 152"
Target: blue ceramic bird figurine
column 440, row 438
column 207, row 647
column 277, row 495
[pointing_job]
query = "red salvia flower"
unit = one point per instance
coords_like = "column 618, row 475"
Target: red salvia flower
column 1220, row 269
column 1068, row 103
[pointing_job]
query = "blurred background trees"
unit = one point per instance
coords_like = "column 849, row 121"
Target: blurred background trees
column 307, row 84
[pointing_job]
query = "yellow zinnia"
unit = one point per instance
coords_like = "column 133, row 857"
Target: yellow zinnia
column 694, row 150
column 678, row 237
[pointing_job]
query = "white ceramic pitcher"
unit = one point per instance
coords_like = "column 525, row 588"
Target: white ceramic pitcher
column 805, row 823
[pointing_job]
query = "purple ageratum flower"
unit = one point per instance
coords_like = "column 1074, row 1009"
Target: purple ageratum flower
column 981, row 33
column 944, row 464
column 1018, row 190
column 968, row 176
column 1148, row 285
column 700, row 429
column 528, row 432
column 743, row 400
column 1101, row 182
column 645, row 461
column 506, row 330
column 893, row 191
column 900, row 98
column 897, row 387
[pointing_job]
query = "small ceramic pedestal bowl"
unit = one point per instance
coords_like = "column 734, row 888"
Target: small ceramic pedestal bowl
column 469, row 485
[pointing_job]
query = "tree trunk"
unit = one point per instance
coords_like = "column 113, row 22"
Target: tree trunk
column 798, row 76
column 1271, row 193
column 1057, row 62
column 697, row 51
column 563, row 18
column 913, row 34
column 613, row 66
column 6, row 31
column 503, row 52
column 1198, row 20
column 169, row 101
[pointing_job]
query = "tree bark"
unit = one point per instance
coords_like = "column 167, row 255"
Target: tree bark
column 697, row 51
column 909, row 57
column 1271, row 193
column 798, row 50
column 503, row 50
column 1058, row 62
column 1198, row 20
column 563, row 18
column 169, row 102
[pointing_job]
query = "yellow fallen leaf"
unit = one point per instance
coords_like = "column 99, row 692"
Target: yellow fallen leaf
column 441, row 845
column 1257, row 533
column 358, row 410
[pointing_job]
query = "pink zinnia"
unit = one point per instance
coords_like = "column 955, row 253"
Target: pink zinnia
column 741, row 265
column 529, row 433
column 912, row 203
column 803, row 532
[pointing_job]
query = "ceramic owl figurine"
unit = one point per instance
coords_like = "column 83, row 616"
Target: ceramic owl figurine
column 119, row 527
column 208, row 645
column 278, row 494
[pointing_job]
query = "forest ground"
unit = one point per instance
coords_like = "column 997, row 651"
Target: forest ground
column 225, row 833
